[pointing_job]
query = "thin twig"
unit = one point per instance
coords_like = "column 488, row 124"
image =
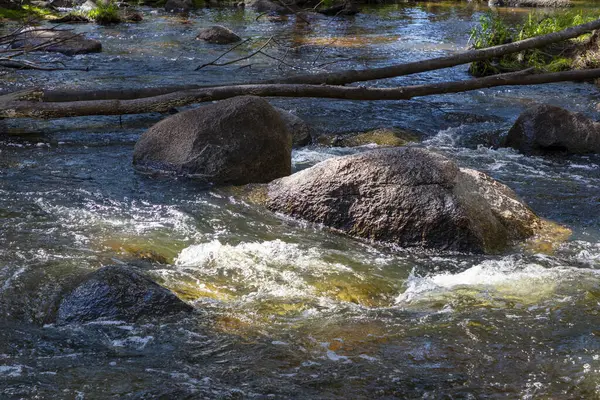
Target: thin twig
column 236, row 60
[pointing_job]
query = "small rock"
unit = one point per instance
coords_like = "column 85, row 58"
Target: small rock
column 219, row 35
column 70, row 44
column 267, row 6
column 300, row 130
column 178, row 5
column 118, row 293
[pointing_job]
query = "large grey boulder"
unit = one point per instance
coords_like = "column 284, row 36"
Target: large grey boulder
column 406, row 196
column 236, row 141
column 118, row 293
column 219, row 35
column 301, row 132
column 548, row 128
column 66, row 42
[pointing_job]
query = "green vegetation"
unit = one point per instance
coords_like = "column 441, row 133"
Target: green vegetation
column 105, row 13
column 25, row 12
column 494, row 31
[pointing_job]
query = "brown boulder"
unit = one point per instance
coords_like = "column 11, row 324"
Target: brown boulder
column 409, row 197
column 548, row 128
column 235, row 141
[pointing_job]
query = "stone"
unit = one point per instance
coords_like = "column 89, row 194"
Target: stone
column 219, row 35
column 300, row 130
column 546, row 128
column 409, row 197
column 388, row 137
column 267, row 6
column 235, row 141
column 118, row 293
column 178, row 5
column 70, row 44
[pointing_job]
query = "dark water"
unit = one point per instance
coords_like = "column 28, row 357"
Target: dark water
column 286, row 309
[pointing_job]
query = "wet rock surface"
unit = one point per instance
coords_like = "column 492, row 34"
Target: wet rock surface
column 218, row 34
column 66, row 42
column 546, row 128
column 118, row 293
column 236, row 141
column 409, row 197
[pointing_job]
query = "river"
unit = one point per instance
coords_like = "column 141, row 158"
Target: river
column 286, row 309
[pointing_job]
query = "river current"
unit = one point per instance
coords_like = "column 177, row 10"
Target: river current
column 286, row 309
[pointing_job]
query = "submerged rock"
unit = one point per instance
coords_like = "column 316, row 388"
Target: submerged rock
column 236, row 141
column 389, row 137
column 69, row 43
column 548, row 128
column 300, row 130
column 218, row 34
column 118, row 293
column 409, row 197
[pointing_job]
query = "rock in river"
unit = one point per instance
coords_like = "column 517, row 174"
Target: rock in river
column 548, row 128
column 66, row 42
column 218, row 34
column 118, row 293
column 409, row 197
column 178, row 5
column 301, row 132
column 236, row 141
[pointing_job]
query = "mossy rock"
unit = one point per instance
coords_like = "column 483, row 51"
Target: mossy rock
column 351, row 289
column 252, row 193
column 191, row 291
column 550, row 236
column 143, row 249
column 386, row 137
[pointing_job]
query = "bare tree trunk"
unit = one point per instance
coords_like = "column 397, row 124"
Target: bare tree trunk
column 163, row 103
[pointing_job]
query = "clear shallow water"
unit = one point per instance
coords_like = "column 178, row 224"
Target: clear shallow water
column 283, row 308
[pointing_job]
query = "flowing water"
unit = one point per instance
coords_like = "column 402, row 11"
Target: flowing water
column 286, row 309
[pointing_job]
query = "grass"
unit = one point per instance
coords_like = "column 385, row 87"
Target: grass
column 25, row 12
column 105, row 13
column 494, row 31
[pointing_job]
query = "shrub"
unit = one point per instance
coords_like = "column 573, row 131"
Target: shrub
column 493, row 31
column 105, row 13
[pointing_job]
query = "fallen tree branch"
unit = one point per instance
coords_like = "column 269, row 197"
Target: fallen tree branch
column 342, row 77
column 163, row 103
column 351, row 76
